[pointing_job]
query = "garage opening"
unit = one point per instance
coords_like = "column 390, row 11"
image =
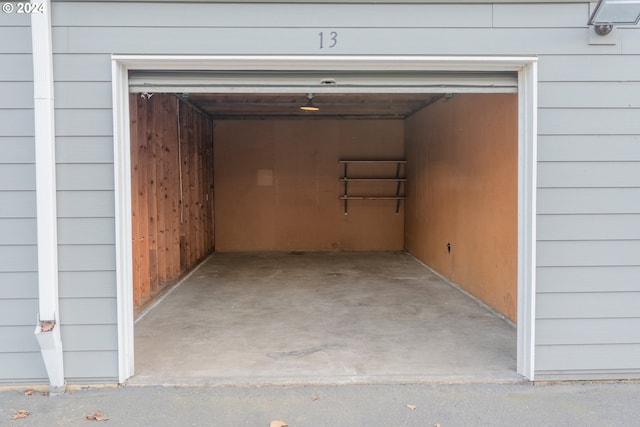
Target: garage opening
column 324, row 244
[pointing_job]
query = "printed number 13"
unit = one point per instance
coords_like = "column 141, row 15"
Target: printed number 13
column 331, row 39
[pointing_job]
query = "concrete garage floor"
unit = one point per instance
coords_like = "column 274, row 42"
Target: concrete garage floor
column 322, row 318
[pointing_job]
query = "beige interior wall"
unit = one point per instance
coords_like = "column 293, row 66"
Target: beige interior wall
column 277, row 185
column 462, row 189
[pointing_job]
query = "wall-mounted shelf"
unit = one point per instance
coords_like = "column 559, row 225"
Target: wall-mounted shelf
column 398, row 179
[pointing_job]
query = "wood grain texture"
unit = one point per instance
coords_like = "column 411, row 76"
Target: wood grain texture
column 171, row 185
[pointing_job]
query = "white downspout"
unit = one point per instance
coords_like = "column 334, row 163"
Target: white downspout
column 48, row 325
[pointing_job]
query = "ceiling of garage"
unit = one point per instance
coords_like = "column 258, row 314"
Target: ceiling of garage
column 331, row 105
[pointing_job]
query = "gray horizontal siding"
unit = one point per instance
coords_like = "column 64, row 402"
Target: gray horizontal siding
column 82, row 68
column 631, row 45
column 79, row 149
column 22, row 368
column 588, row 279
column 18, row 258
column 87, row 284
column 19, row 68
column 86, row 258
column 19, row 339
column 279, row 15
column 18, row 312
column 83, row 95
column 14, row 19
column 16, row 94
column 540, row 15
column 588, row 331
column 18, row 285
column 436, row 41
column 573, row 358
column 620, row 94
column 88, row 311
column 85, row 204
column 20, row 39
column 17, row 177
column 588, row 305
column 17, row 149
column 588, row 200
column 96, row 337
column 84, row 122
column 610, row 121
column 16, row 122
column 83, row 231
column 84, row 177
column 17, row 204
column 588, row 253
column 589, row 227
column 588, row 148
column 18, row 231
column 588, row 68
column 589, row 174
column 91, row 366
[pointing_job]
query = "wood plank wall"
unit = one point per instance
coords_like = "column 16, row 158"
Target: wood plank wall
column 171, row 191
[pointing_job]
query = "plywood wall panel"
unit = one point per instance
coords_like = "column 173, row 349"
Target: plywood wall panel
column 306, row 186
column 172, row 214
column 373, row 225
column 277, row 185
column 462, row 191
column 244, row 185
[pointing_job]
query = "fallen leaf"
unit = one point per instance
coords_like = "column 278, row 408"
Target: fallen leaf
column 29, row 392
column 412, row 407
column 436, row 425
column 47, row 326
column 314, row 398
column 278, row 423
column 21, row 413
column 96, row 416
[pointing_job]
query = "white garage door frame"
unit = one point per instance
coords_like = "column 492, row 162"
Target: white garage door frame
column 525, row 67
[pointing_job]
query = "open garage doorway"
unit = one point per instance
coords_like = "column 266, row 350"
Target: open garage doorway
column 356, row 221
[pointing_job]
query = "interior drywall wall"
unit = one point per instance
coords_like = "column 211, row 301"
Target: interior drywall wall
column 172, row 191
column 462, row 194
column 277, row 185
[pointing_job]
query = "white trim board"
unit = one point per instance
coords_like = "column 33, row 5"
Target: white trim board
column 526, row 67
column 313, row 81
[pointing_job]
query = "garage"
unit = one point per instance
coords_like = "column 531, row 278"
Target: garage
column 392, row 187
column 83, row 173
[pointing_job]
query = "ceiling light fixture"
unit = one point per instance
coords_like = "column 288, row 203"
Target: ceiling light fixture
column 309, row 105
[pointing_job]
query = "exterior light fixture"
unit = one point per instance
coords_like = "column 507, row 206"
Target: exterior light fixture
column 309, row 105
column 614, row 12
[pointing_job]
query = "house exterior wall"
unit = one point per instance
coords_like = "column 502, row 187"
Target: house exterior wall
column 588, row 271
column 20, row 358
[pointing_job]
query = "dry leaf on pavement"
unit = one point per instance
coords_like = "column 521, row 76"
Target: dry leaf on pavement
column 96, row 416
column 29, row 392
column 314, row 398
column 278, row 423
column 21, row 413
column 412, row 407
